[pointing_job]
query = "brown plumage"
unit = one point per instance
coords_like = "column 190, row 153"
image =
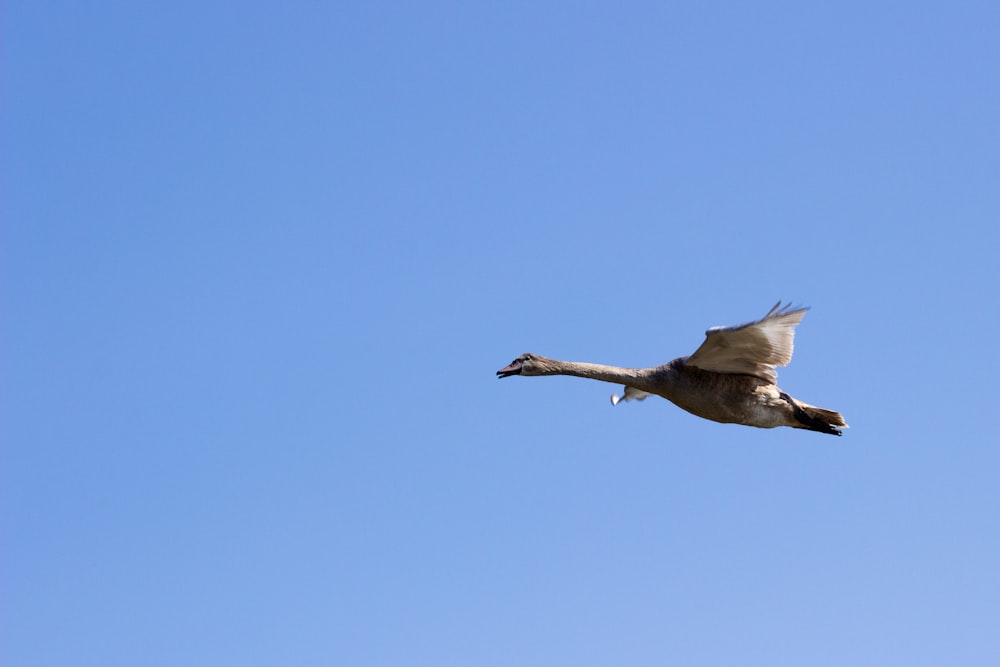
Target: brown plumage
column 731, row 378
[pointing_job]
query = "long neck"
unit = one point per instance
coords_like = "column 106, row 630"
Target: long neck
column 601, row 372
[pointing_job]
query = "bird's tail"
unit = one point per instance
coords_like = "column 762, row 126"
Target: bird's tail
column 816, row 419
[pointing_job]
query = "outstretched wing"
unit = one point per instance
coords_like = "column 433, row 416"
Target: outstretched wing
column 754, row 348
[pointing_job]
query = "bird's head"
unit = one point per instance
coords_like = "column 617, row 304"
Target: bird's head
column 526, row 364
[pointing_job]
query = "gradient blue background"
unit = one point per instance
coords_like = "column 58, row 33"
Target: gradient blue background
column 261, row 262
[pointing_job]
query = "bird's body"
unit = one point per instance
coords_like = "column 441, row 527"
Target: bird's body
column 729, row 379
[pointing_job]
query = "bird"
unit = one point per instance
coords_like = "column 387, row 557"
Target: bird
column 730, row 379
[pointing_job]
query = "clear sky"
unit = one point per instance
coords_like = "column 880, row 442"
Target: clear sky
column 261, row 261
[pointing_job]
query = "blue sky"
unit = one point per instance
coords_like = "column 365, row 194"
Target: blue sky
column 261, row 262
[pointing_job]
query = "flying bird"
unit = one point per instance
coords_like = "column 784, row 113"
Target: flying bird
column 731, row 378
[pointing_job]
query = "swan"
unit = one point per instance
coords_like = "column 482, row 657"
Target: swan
column 730, row 379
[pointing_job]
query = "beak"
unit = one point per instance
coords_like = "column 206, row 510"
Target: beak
column 507, row 371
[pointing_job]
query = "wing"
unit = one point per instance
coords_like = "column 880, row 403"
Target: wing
column 754, row 348
column 631, row 393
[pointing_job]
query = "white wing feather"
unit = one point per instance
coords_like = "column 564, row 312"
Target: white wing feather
column 754, row 348
column 630, row 394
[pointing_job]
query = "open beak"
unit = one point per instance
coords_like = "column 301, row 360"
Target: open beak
column 507, row 371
